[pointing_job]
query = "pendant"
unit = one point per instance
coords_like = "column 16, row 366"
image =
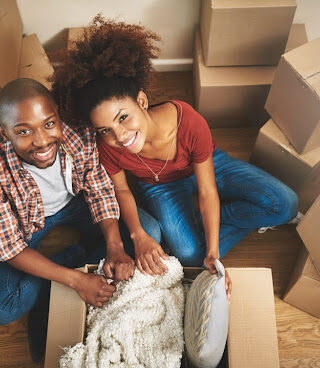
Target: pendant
column 156, row 178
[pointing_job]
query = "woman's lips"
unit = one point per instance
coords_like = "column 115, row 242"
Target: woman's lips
column 131, row 141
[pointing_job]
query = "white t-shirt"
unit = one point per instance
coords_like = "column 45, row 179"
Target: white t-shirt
column 52, row 186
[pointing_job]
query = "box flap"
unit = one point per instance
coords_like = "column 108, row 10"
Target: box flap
column 252, row 337
column 252, row 3
column 310, row 270
column 231, row 76
column 34, row 61
column 273, row 132
column 10, row 41
column 305, row 59
column 309, row 231
column 66, row 323
column 297, row 36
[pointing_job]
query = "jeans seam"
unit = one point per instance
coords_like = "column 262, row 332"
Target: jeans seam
column 267, row 212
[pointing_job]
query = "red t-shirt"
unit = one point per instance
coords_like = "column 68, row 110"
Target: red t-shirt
column 194, row 144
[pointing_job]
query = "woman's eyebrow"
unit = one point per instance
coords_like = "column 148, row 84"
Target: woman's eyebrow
column 117, row 114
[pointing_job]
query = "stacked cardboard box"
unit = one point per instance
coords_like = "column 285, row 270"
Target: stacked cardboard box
column 236, row 53
column 303, row 291
column 288, row 146
column 252, row 320
column 20, row 57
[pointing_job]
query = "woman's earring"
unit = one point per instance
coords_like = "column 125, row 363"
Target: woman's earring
column 146, row 108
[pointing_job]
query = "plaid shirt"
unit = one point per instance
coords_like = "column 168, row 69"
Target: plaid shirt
column 21, row 207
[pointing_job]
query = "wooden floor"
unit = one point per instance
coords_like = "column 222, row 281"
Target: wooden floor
column 298, row 332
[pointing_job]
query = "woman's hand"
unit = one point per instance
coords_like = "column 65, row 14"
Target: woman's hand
column 148, row 255
column 118, row 265
column 209, row 262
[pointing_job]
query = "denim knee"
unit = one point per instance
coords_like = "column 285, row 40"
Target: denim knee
column 7, row 317
column 190, row 256
column 151, row 226
column 289, row 207
column 17, row 303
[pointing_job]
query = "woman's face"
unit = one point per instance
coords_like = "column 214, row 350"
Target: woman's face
column 122, row 122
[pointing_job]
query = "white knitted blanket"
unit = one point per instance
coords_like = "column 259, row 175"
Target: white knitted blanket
column 139, row 327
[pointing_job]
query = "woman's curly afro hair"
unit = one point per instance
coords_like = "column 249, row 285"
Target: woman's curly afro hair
column 111, row 60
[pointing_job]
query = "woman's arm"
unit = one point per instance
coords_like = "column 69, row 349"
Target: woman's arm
column 209, row 204
column 147, row 251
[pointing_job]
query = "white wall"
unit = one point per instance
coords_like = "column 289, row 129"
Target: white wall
column 308, row 12
column 173, row 20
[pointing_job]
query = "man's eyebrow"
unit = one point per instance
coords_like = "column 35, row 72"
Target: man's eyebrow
column 26, row 123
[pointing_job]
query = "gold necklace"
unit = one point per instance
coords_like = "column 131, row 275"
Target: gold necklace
column 156, row 176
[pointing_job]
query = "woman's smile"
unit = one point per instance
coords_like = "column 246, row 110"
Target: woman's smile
column 131, row 142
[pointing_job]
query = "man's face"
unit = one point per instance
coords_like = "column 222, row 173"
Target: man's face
column 34, row 129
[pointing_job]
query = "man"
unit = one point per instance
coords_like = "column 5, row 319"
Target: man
column 50, row 175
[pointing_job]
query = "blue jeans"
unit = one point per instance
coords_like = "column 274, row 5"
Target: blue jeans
column 250, row 198
column 19, row 291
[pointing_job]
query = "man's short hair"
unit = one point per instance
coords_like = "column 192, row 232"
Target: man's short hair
column 17, row 91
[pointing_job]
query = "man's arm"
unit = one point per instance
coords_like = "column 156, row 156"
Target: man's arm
column 93, row 289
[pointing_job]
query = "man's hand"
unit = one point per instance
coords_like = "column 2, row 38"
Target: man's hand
column 209, row 263
column 93, row 289
column 148, row 255
column 118, row 265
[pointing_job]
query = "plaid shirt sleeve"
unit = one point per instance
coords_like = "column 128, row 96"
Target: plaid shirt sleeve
column 99, row 191
column 11, row 240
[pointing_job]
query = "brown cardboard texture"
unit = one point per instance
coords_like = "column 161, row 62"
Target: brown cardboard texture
column 245, row 32
column 230, row 96
column 20, row 57
column 309, row 231
column 303, row 291
column 235, row 96
column 297, row 36
column 74, row 34
column 252, row 340
column 310, row 189
column 273, row 153
column 294, row 98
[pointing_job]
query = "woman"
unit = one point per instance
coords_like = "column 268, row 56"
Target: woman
column 169, row 149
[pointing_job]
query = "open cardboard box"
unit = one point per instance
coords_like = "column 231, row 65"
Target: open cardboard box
column 20, row 57
column 252, row 337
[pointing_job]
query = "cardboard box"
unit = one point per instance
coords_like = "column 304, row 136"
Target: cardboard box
column 310, row 189
column 245, row 32
column 235, row 96
column 252, row 338
column 74, row 34
column 303, row 290
column 294, row 98
column 230, row 96
column 20, row 57
column 309, row 231
column 273, row 153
